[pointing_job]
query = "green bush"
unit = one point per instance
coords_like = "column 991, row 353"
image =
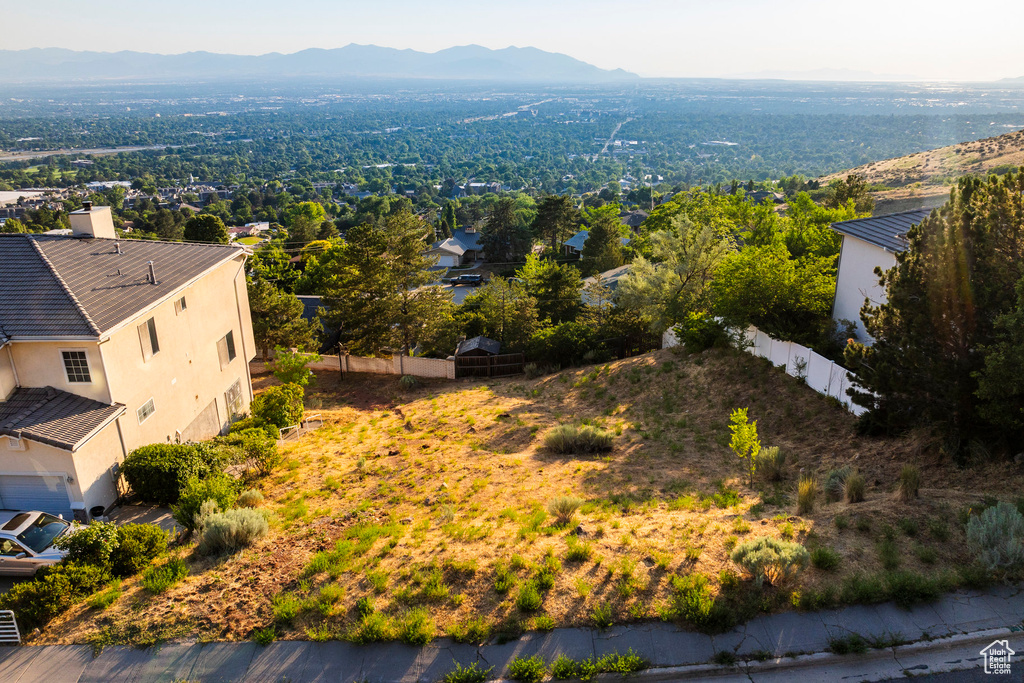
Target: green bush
column 835, row 482
column 289, row 367
column 529, row 598
column 564, row 344
column 373, row 628
column 997, row 538
column 264, row 636
column 158, row 472
column 89, row 543
column 572, row 439
column 137, row 546
column 602, row 615
column 693, row 601
column 219, row 488
column 907, row 589
column 527, row 669
column 563, row 509
column 415, row 627
column 700, row 331
column 231, row 531
column 769, row 559
column 578, row 551
column 280, row 406
column 475, row 631
column 467, row 674
column 246, row 424
column 825, row 558
column 53, row 591
column 408, row 382
column 249, row 498
column 160, row 578
column 260, row 451
column 771, row 463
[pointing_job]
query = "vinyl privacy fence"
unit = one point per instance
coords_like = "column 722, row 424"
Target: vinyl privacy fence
column 820, row 373
column 396, row 365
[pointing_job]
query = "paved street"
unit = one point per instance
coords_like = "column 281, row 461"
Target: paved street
column 952, row 632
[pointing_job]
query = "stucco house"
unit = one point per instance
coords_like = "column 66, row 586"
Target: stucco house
column 107, row 345
column 868, row 243
column 461, row 248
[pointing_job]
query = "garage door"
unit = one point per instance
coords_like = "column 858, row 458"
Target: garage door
column 35, row 492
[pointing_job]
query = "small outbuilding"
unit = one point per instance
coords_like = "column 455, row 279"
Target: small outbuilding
column 478, row 346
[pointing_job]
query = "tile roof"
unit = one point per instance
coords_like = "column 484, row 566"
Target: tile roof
column 888, row 232
column 70, row 286
column 54, row 417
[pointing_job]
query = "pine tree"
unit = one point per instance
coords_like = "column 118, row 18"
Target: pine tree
column 504, row 238
column 603, row 249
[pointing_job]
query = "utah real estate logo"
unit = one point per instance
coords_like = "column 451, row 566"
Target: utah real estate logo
column 997, row 657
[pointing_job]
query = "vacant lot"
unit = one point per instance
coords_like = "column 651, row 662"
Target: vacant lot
column 427, row 507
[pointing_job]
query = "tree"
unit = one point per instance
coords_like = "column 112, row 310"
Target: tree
column 558, row 289
column 277, row 320
column 504, row 237
column 378, row 288
column 951, row 304
column 855, row 188
column 677, row 280
column 603, row 249
column 205, row 228
column 744, row 441
column 12, row 225
column 303, row 221
column 448, row 217
column 1001, row 380
column 557, row 219
column 508, row 313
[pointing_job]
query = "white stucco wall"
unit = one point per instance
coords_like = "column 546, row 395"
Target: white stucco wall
column 857, row 281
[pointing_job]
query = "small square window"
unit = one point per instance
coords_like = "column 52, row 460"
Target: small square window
column 226, row 349
column 147, row 409
column 76, row 365
column 180, row 306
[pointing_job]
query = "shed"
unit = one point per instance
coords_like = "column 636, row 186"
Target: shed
column 478, row 346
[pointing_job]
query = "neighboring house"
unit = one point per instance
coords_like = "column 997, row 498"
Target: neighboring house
column 478, row 346
column 574, row 245
column 758, row 197
column 633, row 219
column 868, row 243
column 609, row 278
column 107, row 345
column 448, row 252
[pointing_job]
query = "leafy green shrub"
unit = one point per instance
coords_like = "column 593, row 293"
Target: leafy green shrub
column 854, row 488
column 573, row 439
column 159, row 472
column 137, row 546
column 280, row 406
column 578, row 551
column 529, row 598
column 807, row 491
column 771, row 463
column 286, row 607
column 563, row 509
column 415, row 627
column 825, row 558
column 289, row 367
column 997, row 538
column 566, row 668
column 264, row 636
column 89, row 543
column 908, row 526
column 910, row 483
column 220, row 488
column 700, row 331
column 160, row 578
column 628, row 663
column 602, row 615
column 527, row 669
column 231, row 531
column 248, row 424
column 835, row 483
column 260, row 451
column 467, row 674
column 770, row 559
column 408, row 382
column 888, row 553
column 249, row 498
column 373, row 628
column 504, row 580
column 53, row 591
column 860, row 589
column 692, row 600
column 475, row 631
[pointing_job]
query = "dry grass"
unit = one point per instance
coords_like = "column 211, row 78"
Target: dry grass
column 430, row 498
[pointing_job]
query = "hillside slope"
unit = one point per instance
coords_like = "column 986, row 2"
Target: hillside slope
column 924, row 179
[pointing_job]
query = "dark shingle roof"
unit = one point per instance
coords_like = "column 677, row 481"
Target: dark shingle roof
column 69, row 286
column 54, row 417
column 483, row 343
column 888, row 232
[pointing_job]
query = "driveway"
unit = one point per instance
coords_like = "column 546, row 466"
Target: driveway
column 460, row 293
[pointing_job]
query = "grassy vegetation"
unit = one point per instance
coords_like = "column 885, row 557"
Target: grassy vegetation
column 416, row 513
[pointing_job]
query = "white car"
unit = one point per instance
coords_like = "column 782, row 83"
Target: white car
column 26, row 541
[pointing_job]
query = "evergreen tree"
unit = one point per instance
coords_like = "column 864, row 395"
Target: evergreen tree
column 949, row 318
column 504, row 238
column 448, row 217
column 603, row 249
column 558, row 289
column 557, row 219
column 277, row 320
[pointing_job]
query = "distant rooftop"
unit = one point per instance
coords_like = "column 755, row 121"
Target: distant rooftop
column 888, row 232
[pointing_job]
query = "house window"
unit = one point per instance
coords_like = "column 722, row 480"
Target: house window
column 180, row 306
column 226, row 349
column 147, row 409
column 233, row 398
column 150, row 343
column 76, row 366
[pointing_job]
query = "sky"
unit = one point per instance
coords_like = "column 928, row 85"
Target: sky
column 929, row 40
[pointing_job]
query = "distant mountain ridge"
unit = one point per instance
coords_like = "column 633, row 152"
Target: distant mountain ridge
column 468, row 62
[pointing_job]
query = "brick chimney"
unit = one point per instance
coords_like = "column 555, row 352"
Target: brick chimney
column 92, row 221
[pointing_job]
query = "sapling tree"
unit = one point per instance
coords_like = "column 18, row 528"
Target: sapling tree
column 290, row 366
column 744, row 442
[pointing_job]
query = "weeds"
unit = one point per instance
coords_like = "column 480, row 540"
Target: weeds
column 909, row 484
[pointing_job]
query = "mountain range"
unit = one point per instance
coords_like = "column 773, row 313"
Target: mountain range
column 468, row 62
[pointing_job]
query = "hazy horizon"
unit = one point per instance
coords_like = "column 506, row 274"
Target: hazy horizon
column 651, row 38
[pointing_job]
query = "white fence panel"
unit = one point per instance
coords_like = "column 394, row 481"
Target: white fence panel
column 779, row 355
column 669, row 339
column 819, row 373
column 762, row 344
column 799, row 356
column 837, row 384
